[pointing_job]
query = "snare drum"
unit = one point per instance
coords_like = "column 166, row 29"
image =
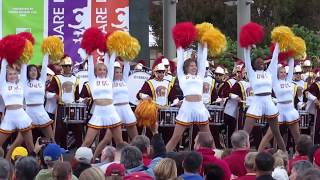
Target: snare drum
column 74, row 113
column 135, row 83
column 167, row 116
column 216, row 115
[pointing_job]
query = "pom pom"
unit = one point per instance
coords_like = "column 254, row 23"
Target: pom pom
column 184, row 34
column 284, row 36
column 28, row 36
column 251, row 34
column 215, row 40
column 146, row 113
column 283, row 56
column 53, row 46
column 202, row 28
column 13, row 46
column 27, row 53
column 1, row 50
column 124, row 45
column 299, row 48
column 92, row 40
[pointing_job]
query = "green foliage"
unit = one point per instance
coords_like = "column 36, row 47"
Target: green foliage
column 312, row 41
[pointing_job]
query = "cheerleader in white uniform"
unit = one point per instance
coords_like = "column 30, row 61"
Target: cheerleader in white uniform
column 283, row 88
column 34, row 93
column 192, row 111
column 104, row 113
column 121, row 103
column 261, row 83
column 15, row 118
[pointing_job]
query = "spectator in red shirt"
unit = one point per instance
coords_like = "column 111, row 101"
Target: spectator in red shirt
column 241, row 145
column 303, row 146
column 203, row 144
column 143, row 144
column 249, row 165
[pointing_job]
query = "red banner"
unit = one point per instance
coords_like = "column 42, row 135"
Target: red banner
column 110, row 15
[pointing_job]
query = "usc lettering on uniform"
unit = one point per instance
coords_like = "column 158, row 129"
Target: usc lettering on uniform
column 286, row 85
column 261, row 76
column 37, row 85
column 103, row 83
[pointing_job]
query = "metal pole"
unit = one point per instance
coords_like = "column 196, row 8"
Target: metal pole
column 169, row 20
column 243, row 17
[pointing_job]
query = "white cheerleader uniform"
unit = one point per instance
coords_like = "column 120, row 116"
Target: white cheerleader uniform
column 284, row 91
column 121, row 98
column 12, row 94
column 101, row 88
column 192, row 112
column 261, row 82
column 34, row 93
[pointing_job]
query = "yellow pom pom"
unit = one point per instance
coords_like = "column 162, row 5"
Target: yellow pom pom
column 27, row 53
column 146, row 113
column 216, row 41
column 284, row 36
column 54, row 47
column 202, row 28
column 299, row 48
column 123, row 44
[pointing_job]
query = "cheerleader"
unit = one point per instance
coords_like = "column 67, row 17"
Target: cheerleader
column 121, row 103
column 284, row 90
column 104, row 113
column 34, row 93
column 261, row 83
column 192, row 111
column 15, row 118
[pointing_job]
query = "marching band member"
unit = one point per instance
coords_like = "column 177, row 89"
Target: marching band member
column 284, row 89
column 313, row 95
column 219, row 76
column 15, row 118
column 192, row 111
column 157, row 88
column 231, row 105
column 104, row 112
column 307, row 70
column 50, row 102
column 209, row 87
column 301, row 86
column 65, row 89
column 261, row 83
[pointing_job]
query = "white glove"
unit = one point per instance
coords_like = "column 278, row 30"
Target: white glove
column 144, row 96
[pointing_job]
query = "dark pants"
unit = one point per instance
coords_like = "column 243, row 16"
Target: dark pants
column 231, row 124
column 67, row 135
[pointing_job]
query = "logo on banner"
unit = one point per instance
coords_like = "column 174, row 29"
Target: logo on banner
column 81, row 17
column 123, row 18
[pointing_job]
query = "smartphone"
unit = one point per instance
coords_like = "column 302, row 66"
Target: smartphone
column 45, row 140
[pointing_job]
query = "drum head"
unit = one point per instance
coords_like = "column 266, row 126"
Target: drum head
column 135, row 83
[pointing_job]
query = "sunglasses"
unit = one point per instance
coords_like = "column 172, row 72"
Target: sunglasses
column 66, row 65
column 160, row 72
column 219, row 74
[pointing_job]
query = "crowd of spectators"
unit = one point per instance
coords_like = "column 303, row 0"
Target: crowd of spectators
column 145, row 159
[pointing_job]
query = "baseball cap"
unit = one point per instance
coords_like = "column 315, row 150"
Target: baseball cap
column 316, row 157
column 115, row 169
column 84, row 155
column 52, row 152
column 138, row 176
column 19, row 151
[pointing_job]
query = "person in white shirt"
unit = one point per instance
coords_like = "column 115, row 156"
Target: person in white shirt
column 191, row 75
column 15, row 118
column 261, row 83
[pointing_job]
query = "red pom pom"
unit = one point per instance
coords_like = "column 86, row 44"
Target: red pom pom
column 13, row 46
column 283, row 56
column 1, row 49
column 92, row 40
column 184, row 34
column 28, row 36
column 250, row 34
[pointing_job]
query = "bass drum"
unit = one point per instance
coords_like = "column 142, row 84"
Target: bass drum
column 135, row 83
